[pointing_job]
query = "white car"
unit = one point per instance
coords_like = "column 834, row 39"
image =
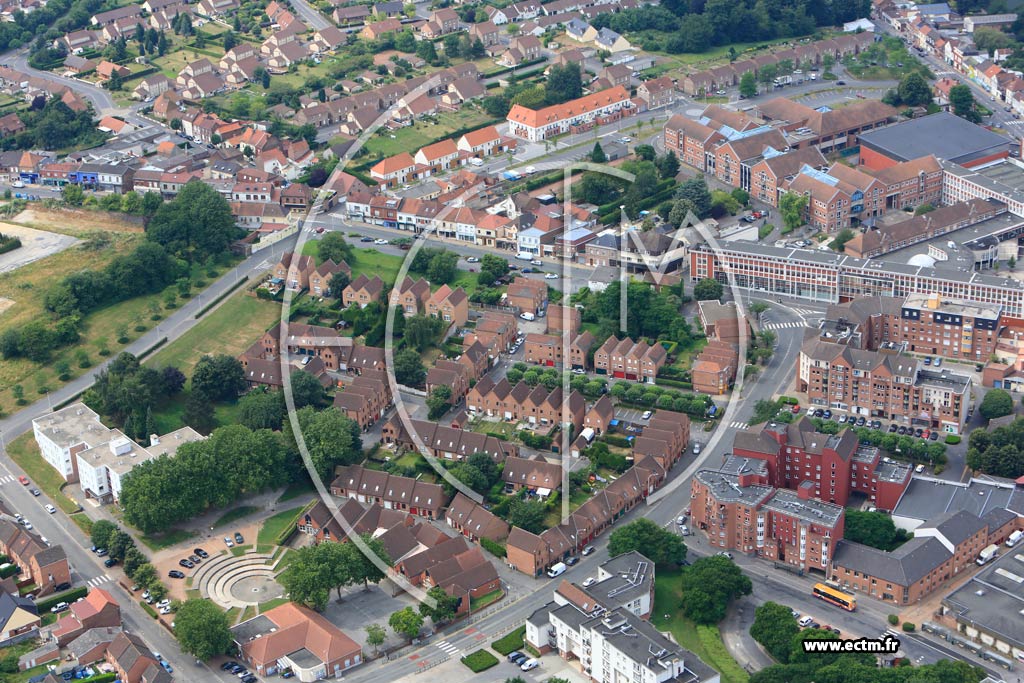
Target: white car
column 50, row 509
column 18, row 184
column 28, row 524
column 530, row 665
column 380, row 241
column 164, row 603
column 472, row 259
column 589, row 582
column 165, row 610
column 536, row 262
column 579, row 371
column 551, row 276
column 228, row 542
column 647, row 415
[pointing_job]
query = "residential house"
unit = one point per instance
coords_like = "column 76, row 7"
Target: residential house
column 409, row 495
column 411, row 296
column 363, row 291
column 133, row 661
column 451, row 306
column 637, row 361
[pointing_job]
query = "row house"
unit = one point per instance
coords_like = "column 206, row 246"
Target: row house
column 110, row 16
column 315, row 341
column 389, row 491
column 536, row 475
column 527, row 295
column 714, row 369
column 532, row 554
column 626, row 359
column 439, row 156
column 474, row 521
column 485, row 142
column 411, row 296
column 451, row 374
column 445, row 442
column 657, row 93
column 394, row 170
column 543, row 349
column 577, row 115
column 495, row 330
column 523, row 403
column 363, row 291
column 41, row 564
column 579, row 350
column 364, row 400
column 441, row 22
column 450, row 305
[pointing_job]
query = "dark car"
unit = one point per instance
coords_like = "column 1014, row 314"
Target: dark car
column 109, row 562
column 861, row 421
column 227, row 665
column 918, row 432
column 840, row 82
column 366, row 239
column 235, row 667
column 186, row 564
column 892, row 428
column 519, row 658
column 194, row 559
column 238, row 539
column 201, row 553
column 175, row 574
column 63, row 586
column 288, row 674
column 570, row 561
column 819, row 412
column 934, row 436
column 876, row 424
column 901, row 430
column 527, row 271
column 513, row 656
column 827, row 414
column 249, row 679
column 35, row 492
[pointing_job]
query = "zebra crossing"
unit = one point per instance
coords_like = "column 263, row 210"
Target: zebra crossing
column 782, row 326
column 97, row 581
column 1013, row 123
column 449, row 649
column 7, row 479
column 738, row 425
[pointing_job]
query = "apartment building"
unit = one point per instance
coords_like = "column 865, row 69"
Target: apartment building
column 734, row 158
column 738, row 510
column 882, row 384
column 626, row 359
column 691, row 140
column 576, row 116
column 769, row 175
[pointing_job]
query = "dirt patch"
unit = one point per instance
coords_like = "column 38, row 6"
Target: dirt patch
column 5, row 304
column 77, row 222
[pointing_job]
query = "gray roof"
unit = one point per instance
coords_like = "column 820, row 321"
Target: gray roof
column 927, row 498
column 250, row 628
column 956, row 526
column 903, row 566
column 10, row 603
column 622, row 579
column 725, row 487
column 993, row 600
column 943, row 134
column 91, row 638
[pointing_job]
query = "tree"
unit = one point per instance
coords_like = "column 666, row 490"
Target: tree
column 668, row 165
column 438, row 401
column 873, row 529
column 997, row 403
column 195, row 225
column 597, row 154
column 661, row 546
column 696, row 191
column 145, row 575
column 101, row 532
column 308, row 579
column 375, row 635
column 527, row 515
column 72, row 195
column 709, row 585
column 444, row 611
column 409, row 369
column 198, row 412
column 118, row 544
column 336, row 287
column 748, row 84
column 306, row 390
column 757, row 308
column 219, row 377
column 681, row 209
column 422, row 331
column 962, row 100
column 792, row 207
column 707, row 289
column 774, row 628
column 406, row 622
column 491, row 268
column 332, row 439
column 914, row 90
column 262, row 409
column 334, row 247
column 563, row 83
column 202, row 628
column 442, row 267
column 362, row 568
column 230, row 40
column 840, row 240
column 923, row 209
column 133, row 560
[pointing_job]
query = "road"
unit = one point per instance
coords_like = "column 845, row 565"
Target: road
column 310, row 15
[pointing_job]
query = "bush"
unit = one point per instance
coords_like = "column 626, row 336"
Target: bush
column 908, row 626
column 478, row 661
column 44, row 606
column 10, row 570
column 149, row 610
column 952, row 439
column 509, row 643
column 893, row 619
column 615, row 440
column 493, row 547
column 788, row 401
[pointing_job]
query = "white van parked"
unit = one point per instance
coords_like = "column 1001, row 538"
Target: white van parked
column 1014, row 538
column 524, row 256
column 557, row 569
column 528, row 316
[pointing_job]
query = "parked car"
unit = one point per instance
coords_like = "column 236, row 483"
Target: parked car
column 23, row 479
column 201, row 553
column 588, row 550
column 589, row 582
column 934, row 436
column 366, row 239
column 59, row 607
column 101, row 552
column 724, row 553
column 109, row 562
column 50, row 508
column 517, row 658
column 175, row 574
column 529, row 665
column 186, row 564
column 842, row 419
column 194, row 559
column 892, row 428
column 35, row 492
column 238, row 539
column 228, row 542
column 551, row 276
column 861, row 421
column 572, row 560
column 472, row 259
column 536, row 262
column 827, row 414
column 164, row 603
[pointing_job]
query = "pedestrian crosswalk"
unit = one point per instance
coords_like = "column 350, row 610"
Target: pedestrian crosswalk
column 738, row 425
column 448, row 648
column 806, row 311
column 1013, row 123
column 782, row 326
column 6, row 479
column 97, row 581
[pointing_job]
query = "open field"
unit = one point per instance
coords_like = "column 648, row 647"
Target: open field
column 231, row 328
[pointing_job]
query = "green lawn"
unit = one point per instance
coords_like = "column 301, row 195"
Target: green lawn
column 235, row 515
column 368, row 262
column 275, row 525
column 684, row 359
column 388, row 143
column 170, row 415
column 271, row 604
column 230, row 329
column 485, row 600
column 166, row 539
column 294, row 491
column 699, row 640
column 506, row 429
column 25, row 452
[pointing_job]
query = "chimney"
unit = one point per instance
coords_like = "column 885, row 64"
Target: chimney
column 805, row 491
column 154, row 440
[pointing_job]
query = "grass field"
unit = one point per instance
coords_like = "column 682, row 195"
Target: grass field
column 235, row 515
column 699, row 640
column 25, row 452
column 273, row 526
column 386, row 143
column 368, row 262
column 230, row 329
column 166, row 539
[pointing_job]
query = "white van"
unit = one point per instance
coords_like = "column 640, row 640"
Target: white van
column 805, row 621
column 1014, row 538
column 528, row 316
column 476, row 161
column 557, row 569
column 524, row 256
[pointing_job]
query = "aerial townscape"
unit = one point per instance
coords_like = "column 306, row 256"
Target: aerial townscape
column 574, row 341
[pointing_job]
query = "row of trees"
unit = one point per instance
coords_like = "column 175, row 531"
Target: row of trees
column 127, row 392
column 316, row 570
column 121, row 547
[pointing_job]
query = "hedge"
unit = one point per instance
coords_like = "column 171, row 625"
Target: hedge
column 66, row 596
column 9, row 570
column 620, row 441
column 102, row 678
column 478, row 661
column 909, row 626
column 952, row 439
column 493, row 547
column 9, row 245
column 788, row 401
column 149, row 610
column 711, row 639
column 510, row 642
column 677, row 383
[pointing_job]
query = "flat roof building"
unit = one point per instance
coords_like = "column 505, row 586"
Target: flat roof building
column 944, row 135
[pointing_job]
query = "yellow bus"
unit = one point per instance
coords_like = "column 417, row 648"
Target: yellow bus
column 835, row 597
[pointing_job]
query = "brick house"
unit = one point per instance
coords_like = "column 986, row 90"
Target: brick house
column 527, row 295
column 390, row 491
column 134, row 662
column 543, row 349
column 579, row 350
column 691, row 140
column 637, row 361
column 600, row 415
column 320, row 279
column 451, row 374
column 474, row 521
column 411, row 296
column 450, row 305
column 294, row 271
column 364, row 400
column 363, row 291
